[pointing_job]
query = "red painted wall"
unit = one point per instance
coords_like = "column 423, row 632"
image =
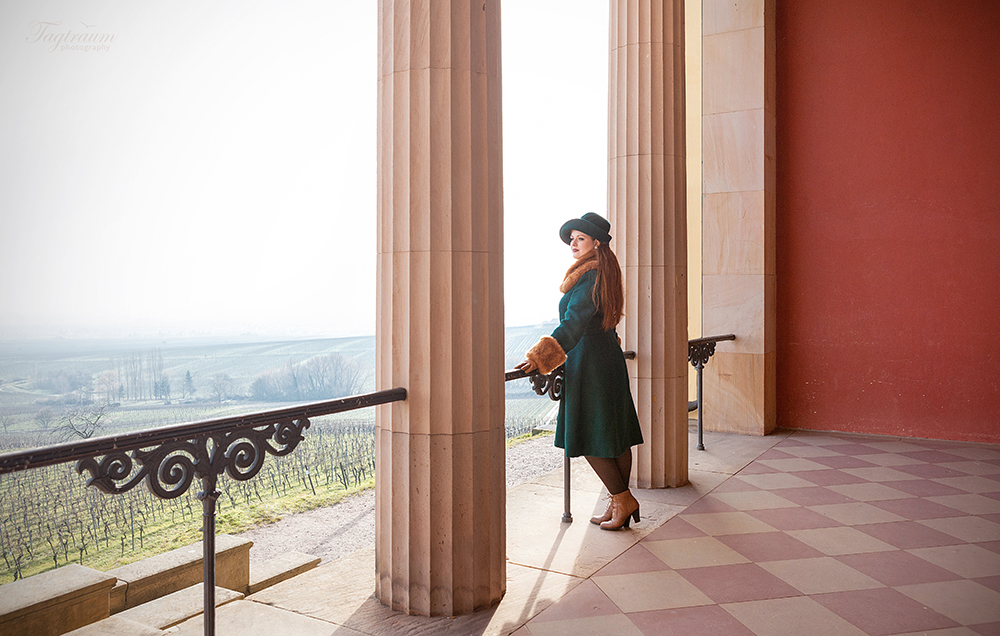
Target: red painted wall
column 888, row 217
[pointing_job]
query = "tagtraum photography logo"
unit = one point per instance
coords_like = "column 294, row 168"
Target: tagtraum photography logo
column 56, row 36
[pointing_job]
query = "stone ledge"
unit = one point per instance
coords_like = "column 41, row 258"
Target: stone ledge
column 55, row 602
column 279, row 569
column 177, row 607
column 163, row 574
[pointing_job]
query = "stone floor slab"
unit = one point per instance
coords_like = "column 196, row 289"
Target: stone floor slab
column 700, row 483
column 971, row 529
column 342, row 593
column 968, row 560
column 583, row 601
column 755, row 500
column 729, row 452
column 723, row 523
column 694, row 552
column 791, row 617
column 964, row 602
column 648, row 591
column 819, row 575
column 256, row 619
column 705, row 620
column 837, row 541
column 883, row 611
column 579, row 548
column 617, row 624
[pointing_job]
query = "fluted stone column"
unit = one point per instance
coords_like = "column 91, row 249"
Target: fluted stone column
column 440, row 486
column 647, row 204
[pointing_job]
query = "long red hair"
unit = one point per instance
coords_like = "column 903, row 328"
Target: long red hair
column 609, row 292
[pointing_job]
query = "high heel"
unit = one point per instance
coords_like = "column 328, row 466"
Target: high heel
column 625, row 508
column 606, row 516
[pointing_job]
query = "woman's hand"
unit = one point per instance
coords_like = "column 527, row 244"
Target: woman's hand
column 527, row 366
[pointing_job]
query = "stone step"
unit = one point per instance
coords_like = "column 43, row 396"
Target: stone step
column 116, row 626
column 55, row 602
column 278, row 569
column 176, row 607
column 156, row 576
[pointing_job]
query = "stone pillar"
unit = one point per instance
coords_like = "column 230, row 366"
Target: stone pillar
column 440, row 486
column 647, row 204
column 738, row 274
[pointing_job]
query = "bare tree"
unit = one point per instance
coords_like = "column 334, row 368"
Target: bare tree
column 154, row 365
column 44, row 417
column 134, row 374
column 107, row 384
column 82, row 422
column 222, row 386
column 321, row 377
column 163, row 387
column 6, row 419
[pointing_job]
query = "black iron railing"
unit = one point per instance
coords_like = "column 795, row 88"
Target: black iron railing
column 169, row 458
column 699, row 352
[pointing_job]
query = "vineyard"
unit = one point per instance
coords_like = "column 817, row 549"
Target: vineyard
column 49, row 518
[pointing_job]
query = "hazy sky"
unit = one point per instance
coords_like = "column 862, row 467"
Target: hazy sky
column 212, row 170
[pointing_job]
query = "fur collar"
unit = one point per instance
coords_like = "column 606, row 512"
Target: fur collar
column 576, row 270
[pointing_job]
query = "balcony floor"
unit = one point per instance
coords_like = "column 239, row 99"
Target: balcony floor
column 793, row 533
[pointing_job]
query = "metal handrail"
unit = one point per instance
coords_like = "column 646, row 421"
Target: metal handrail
column 96, row 446
column 697, row 342
column 170, row 457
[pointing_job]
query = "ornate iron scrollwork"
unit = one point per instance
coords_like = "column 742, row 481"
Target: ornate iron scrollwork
column 551, row 383
column 170, row 468
column 698, row 354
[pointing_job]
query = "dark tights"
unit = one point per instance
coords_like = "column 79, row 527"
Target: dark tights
column 613, row 472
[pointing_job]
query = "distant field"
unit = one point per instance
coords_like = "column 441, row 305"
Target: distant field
column 49, row 518
column 22, row 364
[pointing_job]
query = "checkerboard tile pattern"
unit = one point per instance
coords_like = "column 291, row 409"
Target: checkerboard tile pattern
column 821, row 534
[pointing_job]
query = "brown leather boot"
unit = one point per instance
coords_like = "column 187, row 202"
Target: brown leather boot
column 605, row 517
column 625, row 508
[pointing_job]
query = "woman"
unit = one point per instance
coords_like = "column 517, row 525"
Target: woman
column 597, row 417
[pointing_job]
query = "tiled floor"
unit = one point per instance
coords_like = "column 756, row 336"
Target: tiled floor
column 796, row 533
column 821, row 534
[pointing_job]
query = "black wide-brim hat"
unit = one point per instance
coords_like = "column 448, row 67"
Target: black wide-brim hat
column 593, row 225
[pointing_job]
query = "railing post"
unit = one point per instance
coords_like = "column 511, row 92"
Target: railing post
column 567, row 514
column 208, row 496
column 701, row 442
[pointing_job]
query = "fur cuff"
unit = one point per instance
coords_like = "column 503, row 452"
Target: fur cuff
column 546, row 354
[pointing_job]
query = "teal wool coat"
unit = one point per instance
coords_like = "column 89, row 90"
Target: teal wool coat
column 597, row 416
